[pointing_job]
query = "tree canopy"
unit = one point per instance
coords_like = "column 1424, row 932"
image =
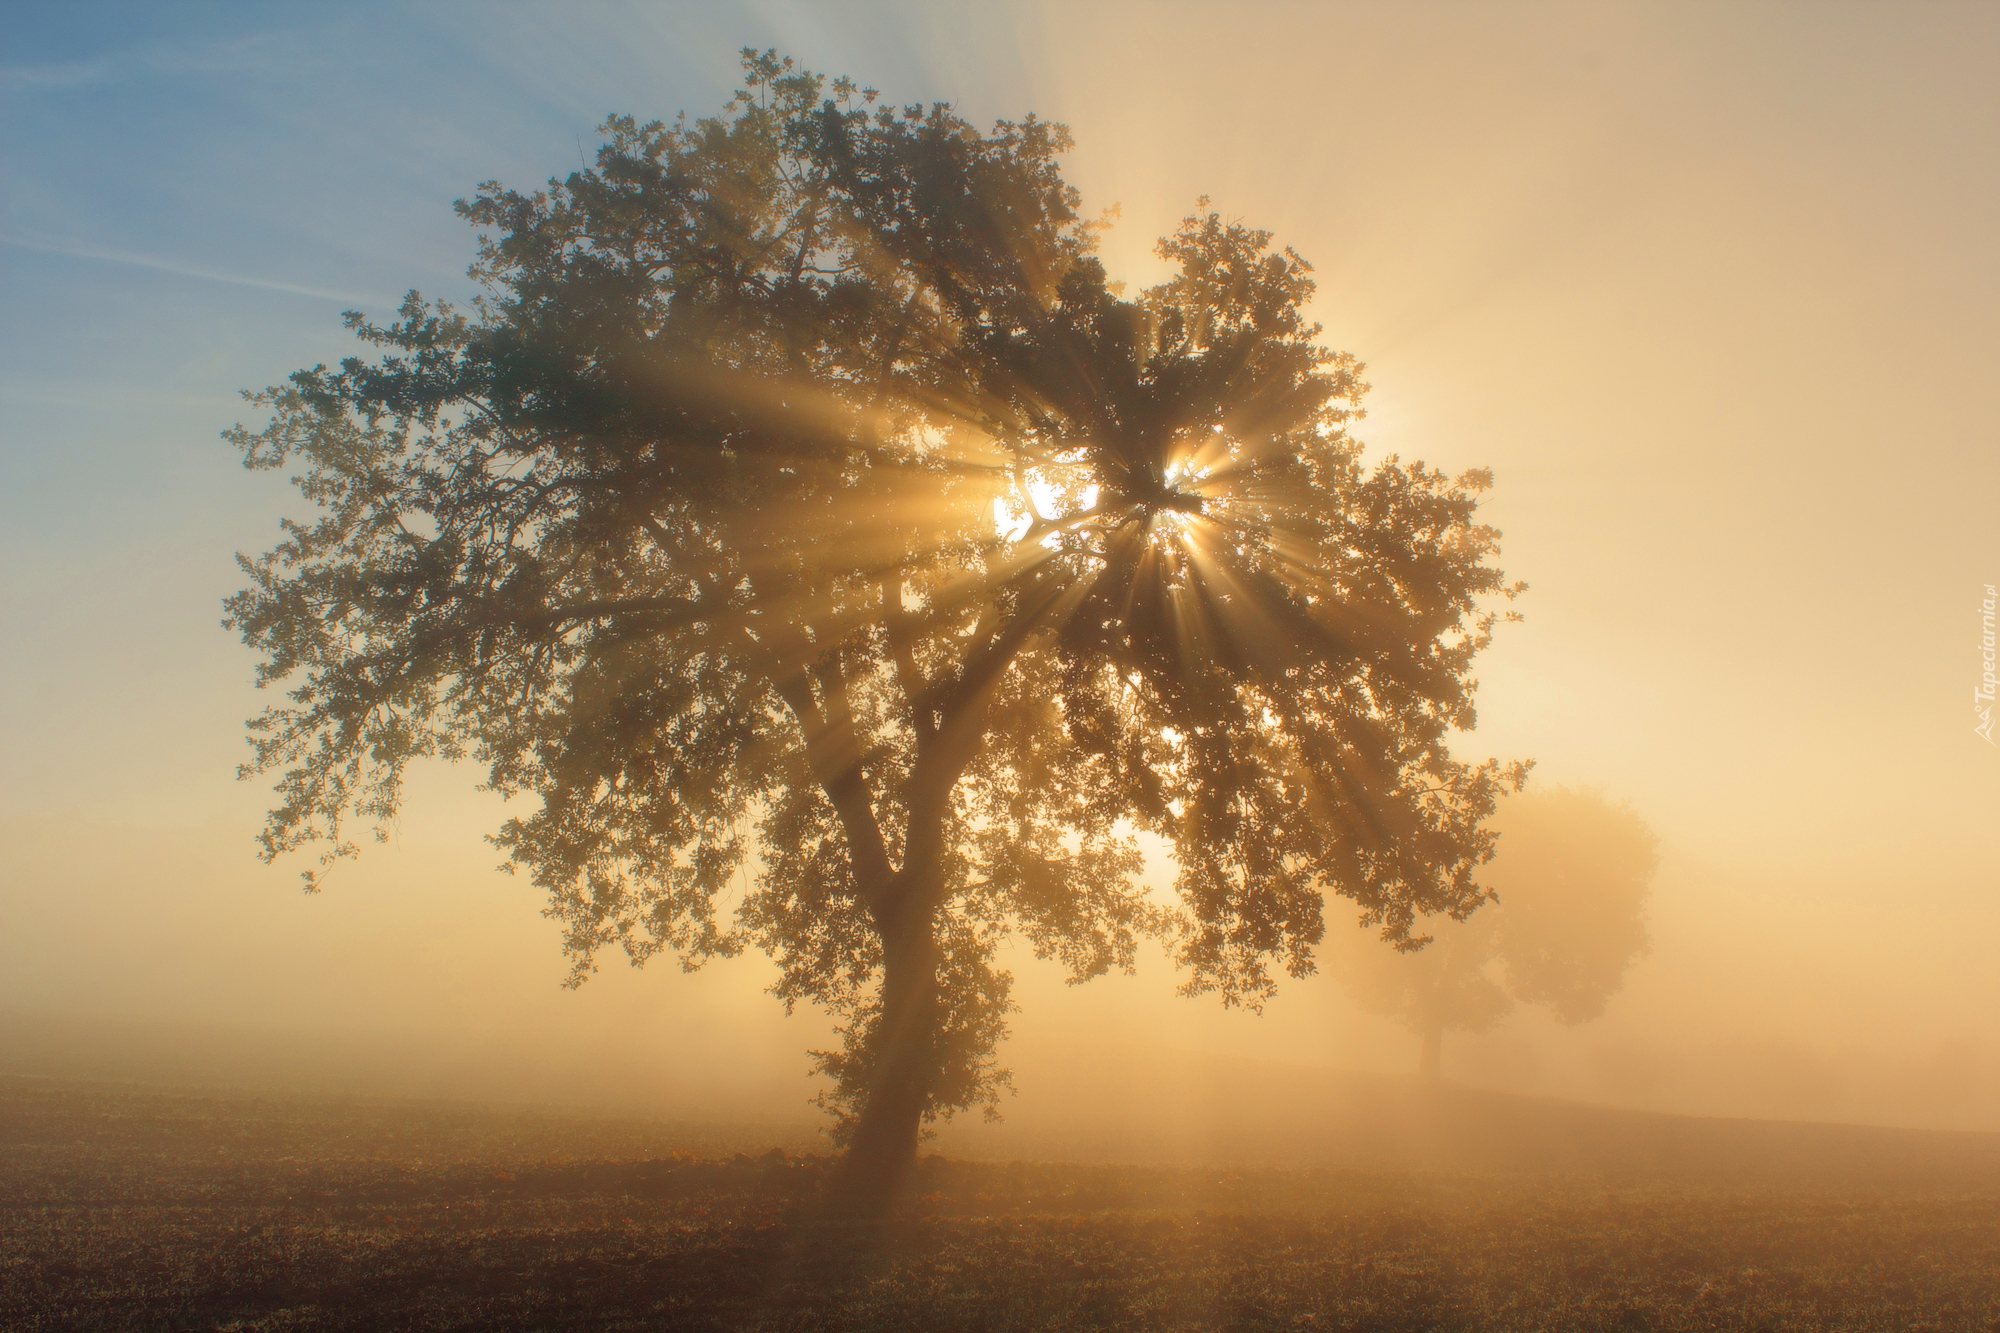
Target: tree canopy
column 1570, row 884
column 802, row 495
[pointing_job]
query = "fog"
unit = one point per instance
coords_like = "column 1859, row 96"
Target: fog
column 1713, row 292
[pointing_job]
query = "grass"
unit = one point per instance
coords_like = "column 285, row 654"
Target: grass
column 129, row 1209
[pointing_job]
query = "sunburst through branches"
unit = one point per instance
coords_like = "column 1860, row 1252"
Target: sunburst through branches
column 803, row 472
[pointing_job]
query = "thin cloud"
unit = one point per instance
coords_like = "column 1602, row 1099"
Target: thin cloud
column 66, row 74
column 107, row 394
column 258, row 51
column 78, row 251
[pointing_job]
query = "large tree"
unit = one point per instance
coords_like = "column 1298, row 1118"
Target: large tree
column 802, row 482
column 1569, row 885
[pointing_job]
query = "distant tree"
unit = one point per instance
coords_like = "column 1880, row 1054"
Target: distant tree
column 803, row 480
column 1569, row 880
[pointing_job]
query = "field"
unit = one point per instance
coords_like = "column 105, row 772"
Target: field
column 127, row 1208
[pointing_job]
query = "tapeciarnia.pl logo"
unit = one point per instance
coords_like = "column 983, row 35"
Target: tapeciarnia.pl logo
column 1982, row 693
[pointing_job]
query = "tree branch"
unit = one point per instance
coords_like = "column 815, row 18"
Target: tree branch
column 847, row 790
column 896, row 624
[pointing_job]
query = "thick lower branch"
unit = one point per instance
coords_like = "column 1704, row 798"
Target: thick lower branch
column 846, row 789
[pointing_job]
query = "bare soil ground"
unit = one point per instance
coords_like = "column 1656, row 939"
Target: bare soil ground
column 123, row 1208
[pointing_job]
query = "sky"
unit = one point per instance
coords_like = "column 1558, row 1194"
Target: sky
column 1712, row 290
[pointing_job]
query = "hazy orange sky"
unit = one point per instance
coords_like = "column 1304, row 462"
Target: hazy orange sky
column 1713, row 290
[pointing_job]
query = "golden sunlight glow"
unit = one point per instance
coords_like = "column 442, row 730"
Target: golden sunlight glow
column 1585, row 280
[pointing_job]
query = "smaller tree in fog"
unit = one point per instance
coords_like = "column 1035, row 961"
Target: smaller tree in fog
column 1567, row 917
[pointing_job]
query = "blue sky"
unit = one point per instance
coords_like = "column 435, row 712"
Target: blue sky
column 194, row 194
column 1713, row 289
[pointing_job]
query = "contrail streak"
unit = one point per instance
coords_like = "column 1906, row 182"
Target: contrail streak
column 190, row 271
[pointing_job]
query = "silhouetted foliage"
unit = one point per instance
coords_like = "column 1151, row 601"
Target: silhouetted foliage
column 803, row 482
column 1570, row 882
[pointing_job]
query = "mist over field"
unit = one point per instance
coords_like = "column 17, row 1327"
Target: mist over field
column 420, row 973
column 1711, row 290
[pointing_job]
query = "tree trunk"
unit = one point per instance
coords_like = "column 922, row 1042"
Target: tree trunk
column 890, row 1124
column 883, row 1149
column 1431, row 1062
